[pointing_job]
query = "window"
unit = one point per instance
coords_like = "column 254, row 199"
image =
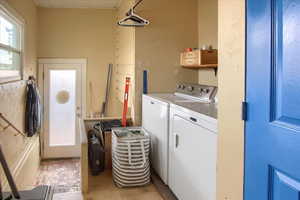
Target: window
column 11, row 45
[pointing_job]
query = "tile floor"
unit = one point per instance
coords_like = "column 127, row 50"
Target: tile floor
column 102, row 187
column 65, row 175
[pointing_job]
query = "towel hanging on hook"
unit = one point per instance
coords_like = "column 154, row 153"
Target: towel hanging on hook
column 136, row 20
column 33, row 110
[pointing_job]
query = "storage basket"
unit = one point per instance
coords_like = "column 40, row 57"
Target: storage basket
column 130, row 157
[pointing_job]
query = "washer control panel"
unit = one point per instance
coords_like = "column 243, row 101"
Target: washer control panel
column 198, row 92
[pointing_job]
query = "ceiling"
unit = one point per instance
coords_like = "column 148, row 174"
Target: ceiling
column 78, row 3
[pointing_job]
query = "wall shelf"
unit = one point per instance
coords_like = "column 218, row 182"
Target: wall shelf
column 201, row 66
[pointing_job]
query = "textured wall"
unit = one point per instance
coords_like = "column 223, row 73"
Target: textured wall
column 208, row 23
column 231, row 95
column 124, row 61
column 158, row 46
column 80, row 33
column 12, row 95
column 208, row 77
column 208, row 35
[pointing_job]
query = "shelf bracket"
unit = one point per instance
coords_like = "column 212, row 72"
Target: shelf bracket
column 216, row 71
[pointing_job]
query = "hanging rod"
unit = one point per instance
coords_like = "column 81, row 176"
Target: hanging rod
column 11, row 125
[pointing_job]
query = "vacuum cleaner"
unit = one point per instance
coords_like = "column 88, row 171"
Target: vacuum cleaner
column 38, row 193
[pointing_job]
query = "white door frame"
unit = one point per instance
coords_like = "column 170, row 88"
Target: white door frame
column 41, row 65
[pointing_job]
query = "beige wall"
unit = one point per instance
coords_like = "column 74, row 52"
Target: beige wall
column 80, row 33
column 124, row 61
column 158, row 46
column 208, row 77
column 208, row 22
column 208, row 35
column 12, row 97
column 231, row 95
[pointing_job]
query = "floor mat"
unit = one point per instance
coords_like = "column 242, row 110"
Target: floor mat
column 64, row 175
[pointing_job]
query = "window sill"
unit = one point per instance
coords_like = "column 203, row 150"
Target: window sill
column 10, row 79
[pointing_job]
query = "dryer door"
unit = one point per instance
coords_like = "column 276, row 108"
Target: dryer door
column 193, row 156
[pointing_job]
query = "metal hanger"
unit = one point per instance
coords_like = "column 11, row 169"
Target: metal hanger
column 137, row 20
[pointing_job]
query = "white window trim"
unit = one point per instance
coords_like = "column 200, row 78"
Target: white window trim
column 12, row 13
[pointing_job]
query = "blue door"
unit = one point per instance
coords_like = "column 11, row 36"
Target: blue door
column 272, row 162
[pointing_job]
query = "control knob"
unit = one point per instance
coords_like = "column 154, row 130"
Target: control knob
column 181, row 87
column 190, row 88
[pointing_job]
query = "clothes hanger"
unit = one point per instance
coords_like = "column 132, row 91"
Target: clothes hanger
column 132, row 16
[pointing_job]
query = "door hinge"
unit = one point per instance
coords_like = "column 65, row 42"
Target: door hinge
column 43, row 75
column 244, row 111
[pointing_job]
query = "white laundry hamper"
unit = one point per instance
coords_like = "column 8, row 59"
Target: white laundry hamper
column 130, row 157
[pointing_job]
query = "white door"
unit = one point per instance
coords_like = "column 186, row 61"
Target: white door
column 63, row 91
